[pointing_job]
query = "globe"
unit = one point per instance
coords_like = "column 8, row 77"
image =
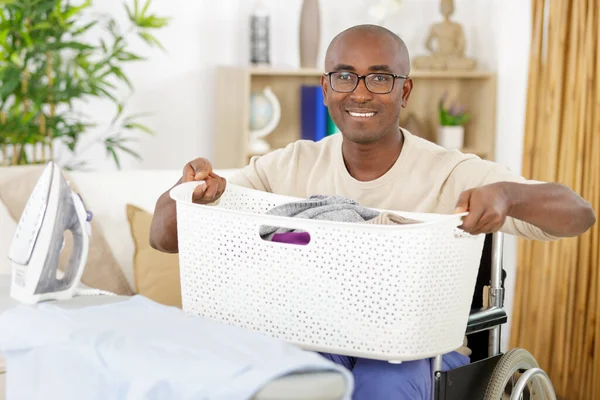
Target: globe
column 261, row 111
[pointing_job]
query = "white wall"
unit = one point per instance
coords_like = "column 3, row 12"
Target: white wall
column 178, row 85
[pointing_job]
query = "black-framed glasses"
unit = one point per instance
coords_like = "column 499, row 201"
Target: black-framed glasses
column 377, row 82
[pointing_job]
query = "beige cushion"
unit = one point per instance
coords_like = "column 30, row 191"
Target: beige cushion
column 139, row 187
column 101, row 270
column 156, row 273
column 7, row 230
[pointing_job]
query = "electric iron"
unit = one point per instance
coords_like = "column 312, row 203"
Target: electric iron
column 51, row 209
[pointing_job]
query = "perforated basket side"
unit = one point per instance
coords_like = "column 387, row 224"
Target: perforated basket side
column 383, row 293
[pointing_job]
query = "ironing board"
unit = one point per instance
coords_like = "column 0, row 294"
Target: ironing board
column 306, row 386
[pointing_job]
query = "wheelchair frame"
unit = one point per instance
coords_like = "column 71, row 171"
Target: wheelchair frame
column 471, row 381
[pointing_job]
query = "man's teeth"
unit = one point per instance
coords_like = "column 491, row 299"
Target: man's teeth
column 364, row 115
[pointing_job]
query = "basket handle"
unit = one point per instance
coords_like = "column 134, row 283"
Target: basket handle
column 306, row 226
column 295, row 237
column 184, row 191
column 459, row 233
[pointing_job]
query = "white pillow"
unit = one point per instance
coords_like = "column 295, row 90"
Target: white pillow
column 7, row 231
column 106, row 193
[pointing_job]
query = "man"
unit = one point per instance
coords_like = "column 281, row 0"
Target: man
column 376, row 163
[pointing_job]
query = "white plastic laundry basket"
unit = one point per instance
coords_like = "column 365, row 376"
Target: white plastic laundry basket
column 400, row 292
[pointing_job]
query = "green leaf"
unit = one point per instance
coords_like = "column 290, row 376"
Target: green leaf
column 127, row 56
column 110, row 151
column 7, row 2
column 145, row 8
column 118, row 72
column 79, row 165
column 129, row 13
column 41, row 26
column 15, row 59
column 135, row 125
column 125, row 149
column 76, row 10
column 58, row 16
column 84, row 28
column 152, row 22
column 27, row 39
column 156, row 22
column 120, row 108
column 99, row 66
column 74, row 46
column 151, row 40
column 130, row 152
column 3, row 36
column 108, row 94
column 45, row 6
column 114, row 143
column 137, row 115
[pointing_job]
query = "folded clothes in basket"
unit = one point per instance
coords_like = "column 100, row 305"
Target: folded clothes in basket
column 139, row 349
column 331, row 208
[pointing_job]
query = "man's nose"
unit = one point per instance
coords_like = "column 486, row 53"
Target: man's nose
column 361, row 94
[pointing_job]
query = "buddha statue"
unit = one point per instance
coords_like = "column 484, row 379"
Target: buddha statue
column 446, row 43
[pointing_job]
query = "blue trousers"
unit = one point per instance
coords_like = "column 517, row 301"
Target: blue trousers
column 380, row 380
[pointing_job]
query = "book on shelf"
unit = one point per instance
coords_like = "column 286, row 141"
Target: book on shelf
column 315, row 120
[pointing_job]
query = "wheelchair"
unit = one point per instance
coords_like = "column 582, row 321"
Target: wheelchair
column 491, row 375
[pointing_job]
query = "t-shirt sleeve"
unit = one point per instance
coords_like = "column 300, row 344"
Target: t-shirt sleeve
column 475, row 172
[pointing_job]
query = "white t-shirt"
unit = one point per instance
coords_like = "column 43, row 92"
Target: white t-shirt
column 425, row 178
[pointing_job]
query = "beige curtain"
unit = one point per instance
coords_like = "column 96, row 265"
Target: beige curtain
column 557, row 293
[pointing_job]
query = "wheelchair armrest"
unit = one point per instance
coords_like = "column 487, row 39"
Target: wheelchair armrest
column 486, row 318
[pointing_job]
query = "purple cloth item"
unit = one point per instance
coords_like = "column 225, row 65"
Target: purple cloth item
column 380, row 380
column 301, row 238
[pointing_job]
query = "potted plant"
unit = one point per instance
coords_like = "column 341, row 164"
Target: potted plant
column 451, row 131
column 53, row 58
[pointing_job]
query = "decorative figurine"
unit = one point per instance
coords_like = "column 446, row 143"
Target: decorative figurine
column 446, row 42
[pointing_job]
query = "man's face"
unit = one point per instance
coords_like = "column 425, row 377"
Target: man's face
column 363, row 116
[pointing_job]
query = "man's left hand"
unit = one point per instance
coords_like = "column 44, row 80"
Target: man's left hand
column 488, row 206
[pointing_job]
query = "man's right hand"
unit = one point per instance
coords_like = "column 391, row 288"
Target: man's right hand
column 163, row 230
column 213, row 187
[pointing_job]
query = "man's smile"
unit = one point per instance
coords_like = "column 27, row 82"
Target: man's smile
column 361, row 113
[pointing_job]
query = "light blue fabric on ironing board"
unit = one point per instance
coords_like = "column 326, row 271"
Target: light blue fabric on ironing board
column 138, row 349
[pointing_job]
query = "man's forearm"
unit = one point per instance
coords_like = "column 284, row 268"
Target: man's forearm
column 163, row 230
column 552, row 207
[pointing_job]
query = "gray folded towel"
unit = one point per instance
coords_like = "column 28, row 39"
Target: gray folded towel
column 331, row 208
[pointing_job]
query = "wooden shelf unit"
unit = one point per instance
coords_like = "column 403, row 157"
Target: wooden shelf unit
column 475, row 90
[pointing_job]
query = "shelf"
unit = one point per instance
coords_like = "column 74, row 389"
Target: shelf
column 266, row 71
column 476, row 74
column 475, row 90
column 317, row 72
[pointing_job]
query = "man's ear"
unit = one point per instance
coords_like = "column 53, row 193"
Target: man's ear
column 324, row 89
column 406, row 90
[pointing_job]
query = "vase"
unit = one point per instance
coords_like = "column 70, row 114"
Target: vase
column 310, row 33
column 451, row 137
column 260, row 35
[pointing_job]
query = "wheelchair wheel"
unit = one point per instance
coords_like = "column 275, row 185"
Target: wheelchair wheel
column 506, row 378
